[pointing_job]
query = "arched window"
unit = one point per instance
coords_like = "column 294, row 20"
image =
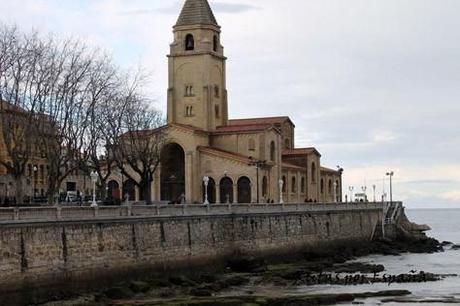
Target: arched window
column 322, row 186
column 215, row 43
column 216, row 91
column 302, row 185
column 244, row 190
column 189, row 42
column 217, row 111
column 284, row 183
column 313, row 172
column 264, row 186
column 329, row 187
column 226, row 190
column 272, row 151
column 294, row 184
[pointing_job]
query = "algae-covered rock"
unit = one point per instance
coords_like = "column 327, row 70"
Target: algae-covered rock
column 138, row 286
column 117, row 293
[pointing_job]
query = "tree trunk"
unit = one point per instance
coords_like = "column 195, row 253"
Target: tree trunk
column 147, row 191
column 19, row 189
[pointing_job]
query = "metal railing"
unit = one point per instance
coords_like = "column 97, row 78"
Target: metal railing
column 69, row 213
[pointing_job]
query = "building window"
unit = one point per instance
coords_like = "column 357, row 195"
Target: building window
column 217, row 111
column 188, row 91
column 322, row 186
column 294, row 185
column 189, row 111
column 302, row 185
column 313, row 172
column 189, row 43
column 216, row 91
column 329, row 187
column 264, row 186
column 272, row 151
column 287, row 143
column 215, row 43
column 284, row 184
column 251, row 144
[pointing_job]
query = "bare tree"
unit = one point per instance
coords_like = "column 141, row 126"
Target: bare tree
column 137, row 150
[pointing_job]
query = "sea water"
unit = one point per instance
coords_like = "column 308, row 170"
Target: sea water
column 445, row 224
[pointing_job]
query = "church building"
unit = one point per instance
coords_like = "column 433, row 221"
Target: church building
column 244, row 160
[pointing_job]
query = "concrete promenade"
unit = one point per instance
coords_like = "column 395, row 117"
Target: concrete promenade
column 75, row 213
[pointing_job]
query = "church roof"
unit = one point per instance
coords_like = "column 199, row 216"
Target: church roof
column 324, row 169
column 196, row 12
column 264, row 120
column 287, row 165
column 225, row 154
column 301, row 151
column 242, row 128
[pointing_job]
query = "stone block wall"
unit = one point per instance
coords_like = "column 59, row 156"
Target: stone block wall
column 48, row 254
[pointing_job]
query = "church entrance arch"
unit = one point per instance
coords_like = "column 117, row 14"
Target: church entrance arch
column 172, row 173
column 244, row 190
column 211, row 191
column 226, row 190
column 113, row 190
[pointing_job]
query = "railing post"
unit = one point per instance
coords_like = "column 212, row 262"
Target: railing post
column 157, row 210
column 16, row 213
column 95, row 211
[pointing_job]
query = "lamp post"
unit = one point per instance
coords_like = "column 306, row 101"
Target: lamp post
column 206, row 182
column 35, row 169
column 373, row 187
column 281, row 184
column 258, row 164
column 351, row 188
column 391, row 174
column 94, row 177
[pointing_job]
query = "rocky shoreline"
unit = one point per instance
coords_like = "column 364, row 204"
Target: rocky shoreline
column 329, row 266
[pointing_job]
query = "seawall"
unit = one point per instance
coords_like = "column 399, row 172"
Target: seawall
column 69, row 254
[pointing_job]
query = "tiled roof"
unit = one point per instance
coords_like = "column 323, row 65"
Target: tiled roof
column 257, row 121
column 196, row 12
column 242, row 128
column 292, row 166
column 221, row 153
column 301, row 151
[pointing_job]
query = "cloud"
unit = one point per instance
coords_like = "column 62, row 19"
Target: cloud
column 453, row 195
column 217, row 7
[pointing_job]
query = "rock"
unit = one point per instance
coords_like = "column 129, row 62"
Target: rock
column 139, row 287
column 359, row 267
column 181, row 281
column 455, row 247
column 383, row 293
column 246, row 265
column 117, row 293
column 446, row 243
column 201, row 291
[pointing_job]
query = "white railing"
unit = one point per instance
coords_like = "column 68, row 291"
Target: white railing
column 67, row 213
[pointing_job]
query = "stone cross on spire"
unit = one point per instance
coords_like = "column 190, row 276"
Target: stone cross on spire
column 196, row 12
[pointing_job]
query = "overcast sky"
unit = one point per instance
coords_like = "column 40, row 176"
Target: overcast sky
column 373, row 84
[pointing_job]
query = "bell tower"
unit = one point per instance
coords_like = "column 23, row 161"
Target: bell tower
column 197, row 93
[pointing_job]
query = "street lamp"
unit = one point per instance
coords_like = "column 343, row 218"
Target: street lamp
column 281, row 184
column 351, row 188
column 391, row 174
column 94, row 177
column 258, row 164
column 206, row 182
column 35, row 169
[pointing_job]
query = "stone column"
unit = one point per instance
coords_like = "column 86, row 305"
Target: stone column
column 218, row 194
column 235, row 193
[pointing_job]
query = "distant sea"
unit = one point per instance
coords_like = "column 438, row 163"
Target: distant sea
column 445, row 224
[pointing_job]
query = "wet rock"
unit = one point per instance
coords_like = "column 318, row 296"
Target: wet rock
column 247, row 265
column 117, row 293
column 455, row 247
column 139, row 287
column 446, row 243
column 359, row 267
column 181, row 280
column 201, row 291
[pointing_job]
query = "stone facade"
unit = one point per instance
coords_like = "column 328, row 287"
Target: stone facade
column 73, row 253
column 209, row 144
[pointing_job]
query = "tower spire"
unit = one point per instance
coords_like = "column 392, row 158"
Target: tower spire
column 196, row 12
